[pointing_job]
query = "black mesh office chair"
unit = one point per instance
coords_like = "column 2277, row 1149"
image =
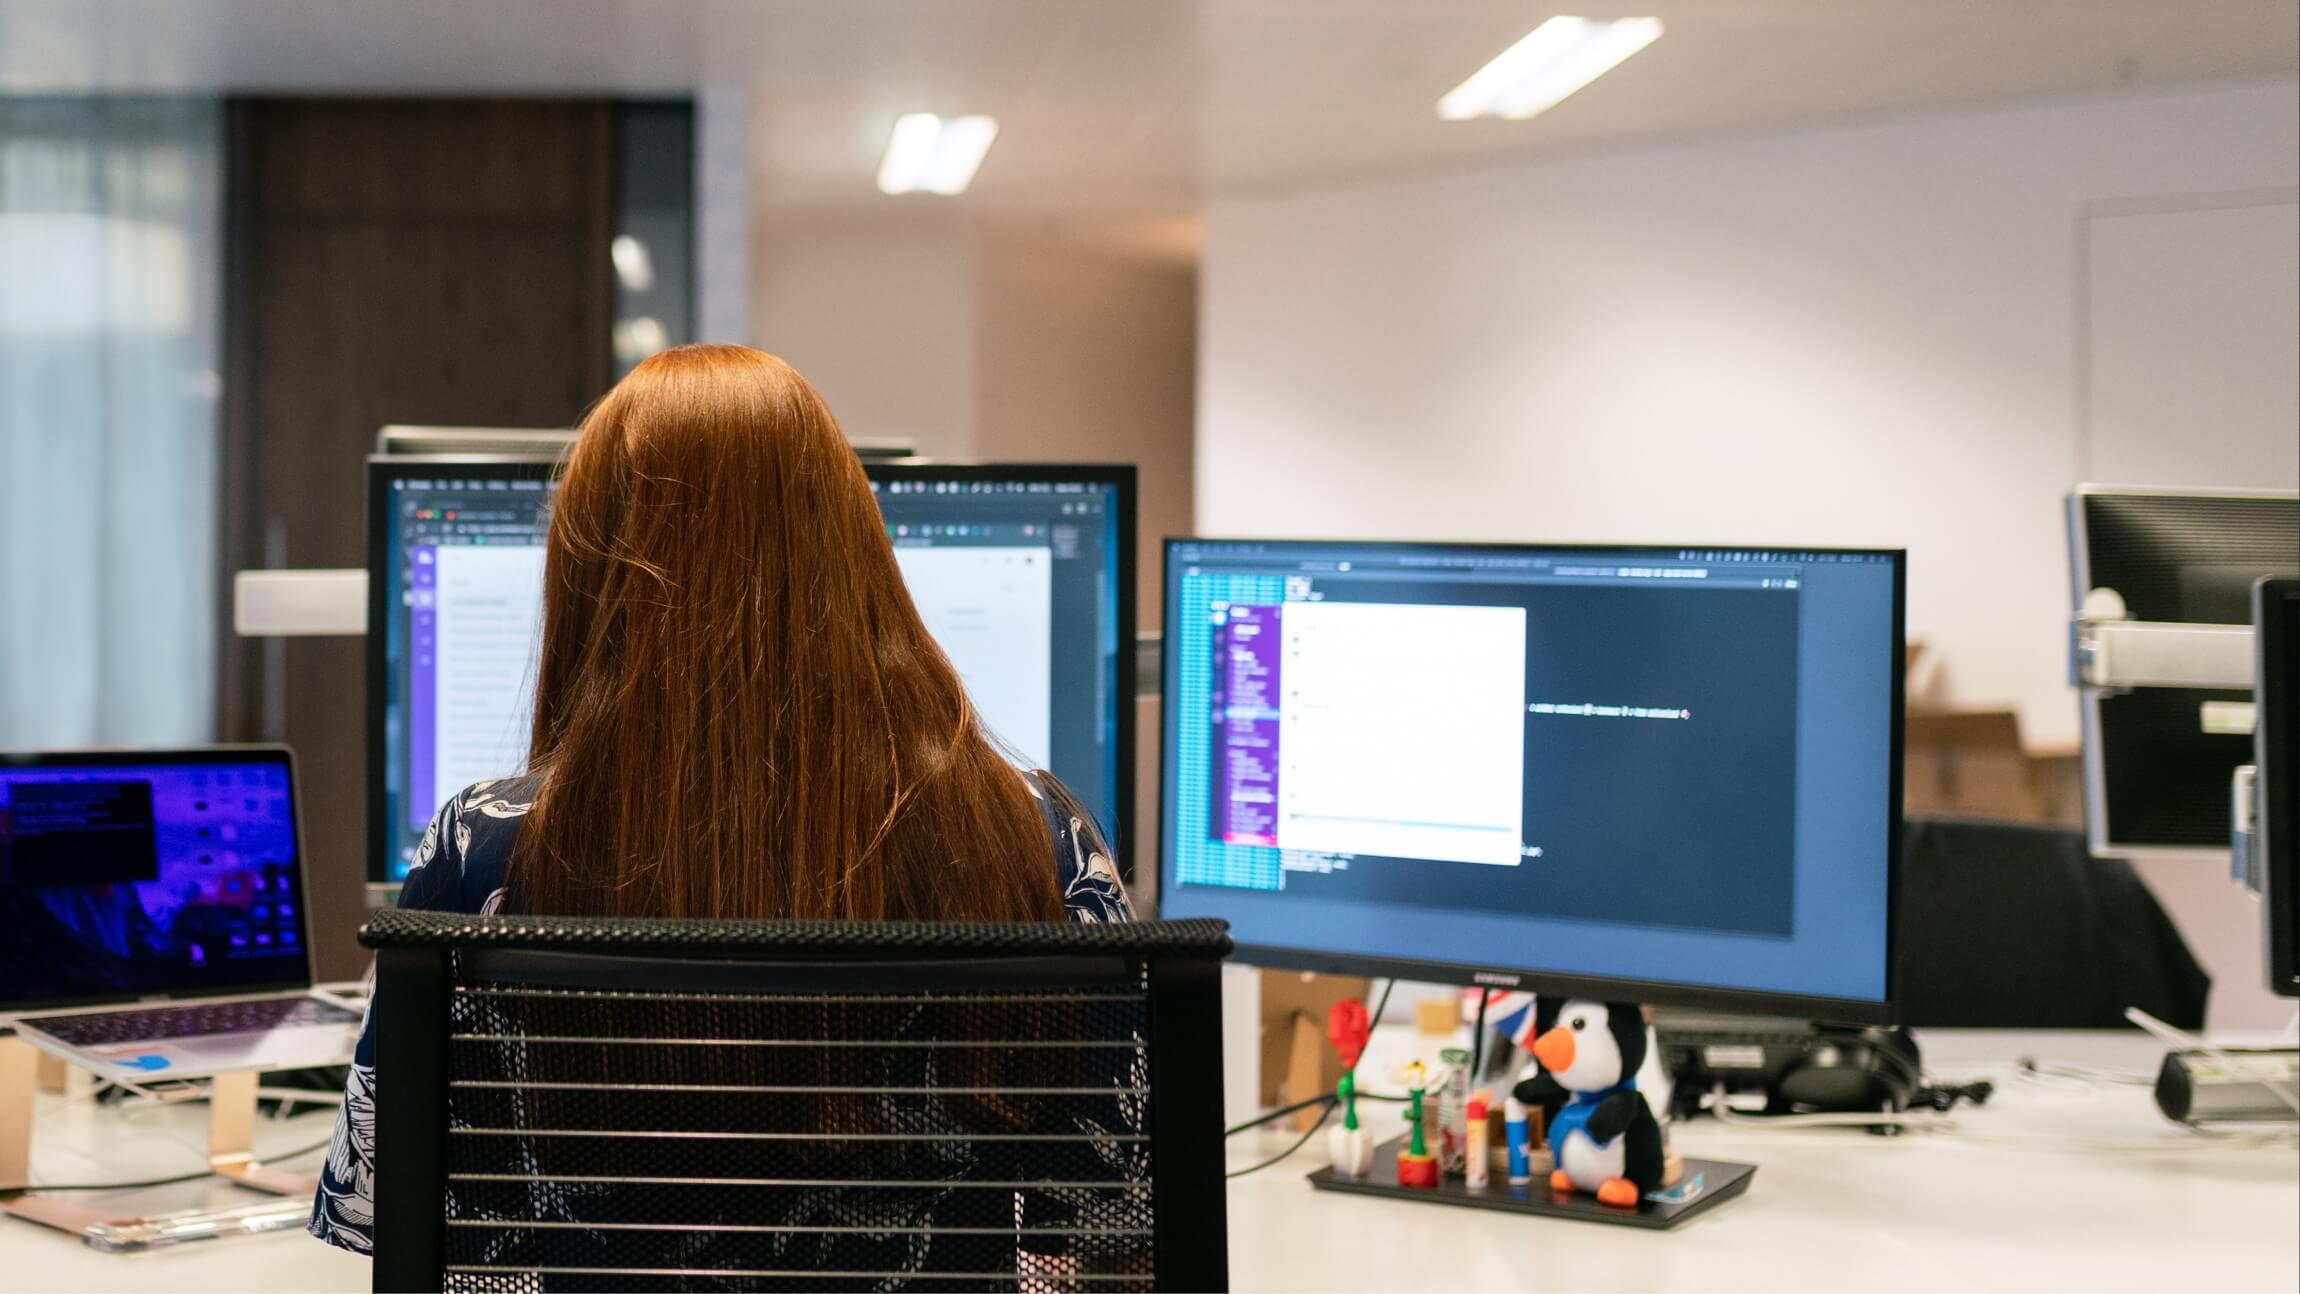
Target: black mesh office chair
column 2006, row 925
column 577, row 1104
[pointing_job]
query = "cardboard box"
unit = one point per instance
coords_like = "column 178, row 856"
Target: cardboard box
column 1297, row 1061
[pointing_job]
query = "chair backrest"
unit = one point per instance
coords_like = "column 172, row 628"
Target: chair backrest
column 568, row 1104
column 2006, row 925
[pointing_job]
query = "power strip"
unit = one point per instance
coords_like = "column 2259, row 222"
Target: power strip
column 2230, row 1085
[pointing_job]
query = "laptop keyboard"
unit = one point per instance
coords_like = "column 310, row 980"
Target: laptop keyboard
column 192, row 1020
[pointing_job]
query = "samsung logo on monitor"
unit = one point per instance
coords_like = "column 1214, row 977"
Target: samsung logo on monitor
column 1495, row 977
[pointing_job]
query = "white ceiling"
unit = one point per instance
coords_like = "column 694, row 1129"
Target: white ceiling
column 1133, row 110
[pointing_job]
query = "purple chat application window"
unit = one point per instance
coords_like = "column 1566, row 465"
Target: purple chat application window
column 423, row 682
column 1246, row 681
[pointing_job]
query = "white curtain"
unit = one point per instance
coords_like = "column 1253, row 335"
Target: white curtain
column 110, row 257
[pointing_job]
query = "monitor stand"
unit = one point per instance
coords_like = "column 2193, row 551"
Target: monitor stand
column 1701, row 1185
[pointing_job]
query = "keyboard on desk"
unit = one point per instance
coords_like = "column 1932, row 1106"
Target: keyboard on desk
column 191, row 1020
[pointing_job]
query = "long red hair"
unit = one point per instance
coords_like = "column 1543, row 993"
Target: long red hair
column 738, row 711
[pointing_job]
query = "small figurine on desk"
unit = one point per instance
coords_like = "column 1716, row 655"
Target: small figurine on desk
column 1416, row 1165
column 1604, row 1139
column 1350, row 1146
column 1515, row 1136
column 1453, row 1112
column 1477, row 1167
column 1509, row 1022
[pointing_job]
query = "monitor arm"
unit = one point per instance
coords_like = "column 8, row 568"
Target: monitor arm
column 2109, row 653
column 303, row 604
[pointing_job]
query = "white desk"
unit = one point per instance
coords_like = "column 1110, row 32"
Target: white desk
column 1840, row 1209
column 83, row 1142
column 1837, row 1210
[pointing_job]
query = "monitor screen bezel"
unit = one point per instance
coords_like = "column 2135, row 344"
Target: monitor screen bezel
column 2277, row 649
column 1843, row 1010
column 130, row 757
column 383, row 469
column 1122, row 478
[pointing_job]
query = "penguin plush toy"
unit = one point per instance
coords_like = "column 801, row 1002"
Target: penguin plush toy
column 1603, row 1138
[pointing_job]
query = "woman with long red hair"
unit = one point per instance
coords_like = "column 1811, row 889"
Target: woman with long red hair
column 738, row 711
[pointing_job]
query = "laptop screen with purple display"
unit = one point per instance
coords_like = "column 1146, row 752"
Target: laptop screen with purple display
column 129, row 875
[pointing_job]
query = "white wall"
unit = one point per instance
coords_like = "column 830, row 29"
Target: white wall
column 880, row 317
column 1087, row 357
column 722, row 215
column 1858, row 335
column 972, row 343
column 1861, row 335
column 2190, row 325
column 1003, row 347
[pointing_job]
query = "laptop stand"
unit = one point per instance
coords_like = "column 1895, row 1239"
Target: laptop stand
column 231, row 1157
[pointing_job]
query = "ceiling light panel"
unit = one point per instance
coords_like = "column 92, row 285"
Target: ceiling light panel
column 930, row 154
column 1542, row 70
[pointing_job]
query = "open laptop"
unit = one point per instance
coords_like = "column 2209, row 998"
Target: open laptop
column 152, row 915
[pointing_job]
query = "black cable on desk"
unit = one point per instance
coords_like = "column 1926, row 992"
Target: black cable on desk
column 1477, row 1038
column 1327, row 1098
column 43, row 1188
column 1323, row 1115
column 1322, row 1098
column 1380, row 1007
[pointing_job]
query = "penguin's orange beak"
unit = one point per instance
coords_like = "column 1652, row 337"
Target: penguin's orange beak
column 1554, row 1050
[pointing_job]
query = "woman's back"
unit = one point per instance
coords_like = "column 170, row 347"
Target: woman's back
column 464, row 862
column 738, row 711
column 463, row 865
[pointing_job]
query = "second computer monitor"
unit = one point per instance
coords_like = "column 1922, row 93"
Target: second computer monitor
column 1656, row 774
column 2276, row 753
column 2157, row 759
column 1024, row 575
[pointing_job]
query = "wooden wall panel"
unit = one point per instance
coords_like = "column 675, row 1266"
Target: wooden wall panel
column 420, row 261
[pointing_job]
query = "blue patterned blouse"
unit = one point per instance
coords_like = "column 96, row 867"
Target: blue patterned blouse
column 459, row 868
